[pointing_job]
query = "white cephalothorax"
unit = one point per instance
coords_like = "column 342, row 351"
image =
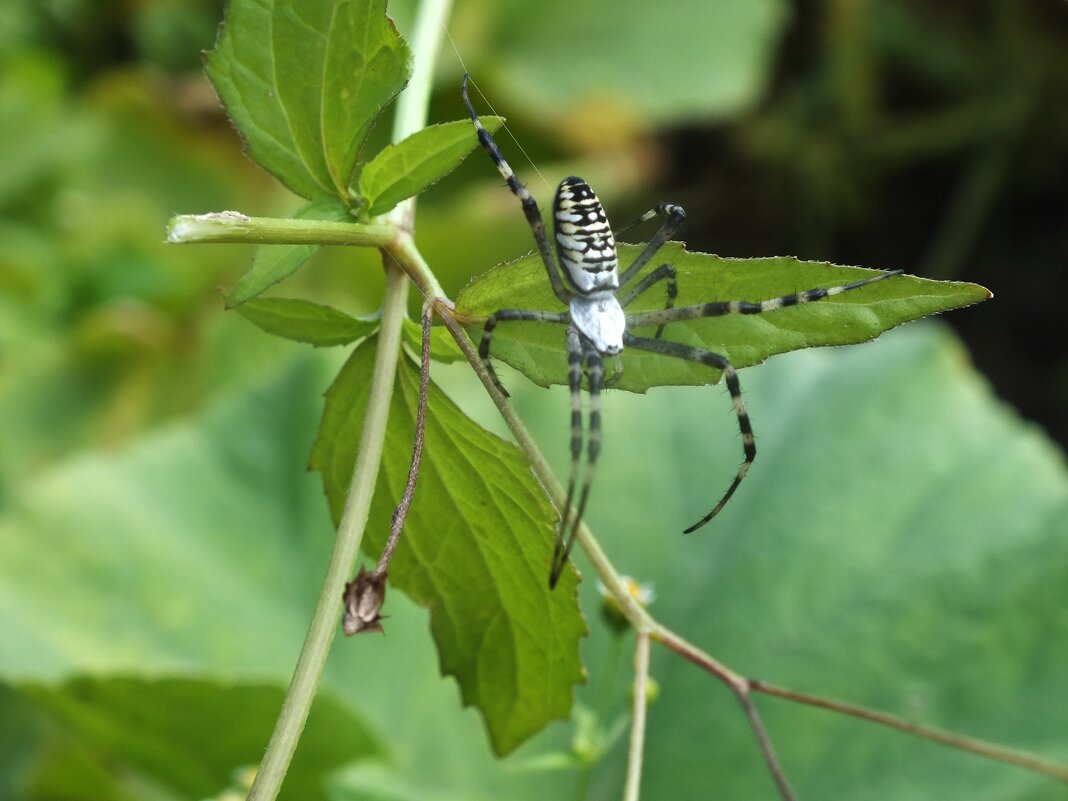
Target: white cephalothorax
column 601, row 319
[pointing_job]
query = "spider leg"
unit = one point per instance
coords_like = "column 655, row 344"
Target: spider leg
column 617, row 372
column 577, row 349
column 666, row 273
column 673, row 217
column 510, row 315
column 530, row 206
column 720, row 308
column 574, row 380
column 730, row 377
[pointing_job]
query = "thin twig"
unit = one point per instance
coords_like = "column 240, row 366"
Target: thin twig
column 364, row 595
column 959, row 742
column 767, row 750
column 400, row 514
column 741, row 687
column 632, row 787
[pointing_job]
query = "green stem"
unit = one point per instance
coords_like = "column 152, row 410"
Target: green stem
column 411, row 116
column 232, row 226
column 323, row 626
column 632, row 787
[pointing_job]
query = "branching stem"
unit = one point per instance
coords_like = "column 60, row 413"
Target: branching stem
column 957, row 741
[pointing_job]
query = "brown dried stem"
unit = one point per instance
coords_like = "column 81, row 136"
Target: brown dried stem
column 400, row 514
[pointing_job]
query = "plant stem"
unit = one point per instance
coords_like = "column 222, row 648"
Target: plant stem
column 426, row 39
column 742, row 689
column 323, row 626
column 232, row 226
column 957, row 741
column 410, row 117
column 632, row 787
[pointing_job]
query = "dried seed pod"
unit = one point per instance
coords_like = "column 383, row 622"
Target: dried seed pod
column 363, row 598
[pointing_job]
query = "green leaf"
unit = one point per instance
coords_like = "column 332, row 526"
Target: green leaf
column 425, row 157
column 537, row 349
column 304, row 81
column 476, row 550
column 304, row 321
column 443, row 347
column 188, row 737
column 275, row 263
column 654, row 62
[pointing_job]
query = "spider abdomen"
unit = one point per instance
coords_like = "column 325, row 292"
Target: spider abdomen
column 584, row 241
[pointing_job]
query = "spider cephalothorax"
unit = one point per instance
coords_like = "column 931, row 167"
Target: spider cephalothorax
column 585, row 277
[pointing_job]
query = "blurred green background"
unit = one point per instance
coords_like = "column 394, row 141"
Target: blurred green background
column 900, row 542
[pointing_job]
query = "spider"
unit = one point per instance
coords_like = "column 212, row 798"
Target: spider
column 585, row 276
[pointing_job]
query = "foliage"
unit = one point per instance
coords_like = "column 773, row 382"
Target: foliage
column 177, row 573
column 156, row 730
column 304, row 83
column 478, row 534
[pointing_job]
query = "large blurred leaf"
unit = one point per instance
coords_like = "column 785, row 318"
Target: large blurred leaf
column 117, row 579
column 900, row 542
column 38, row 136
column 537, row 349
column 304, row 81
column 182, row 737
column 657, row 62
column 202, row 548
column 250, row 556
column 476, row 551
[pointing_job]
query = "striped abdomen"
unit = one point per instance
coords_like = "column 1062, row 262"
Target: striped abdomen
column 584, row 241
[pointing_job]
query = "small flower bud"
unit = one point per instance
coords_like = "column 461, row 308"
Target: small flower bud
column 652, row 690
column 610, row 611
